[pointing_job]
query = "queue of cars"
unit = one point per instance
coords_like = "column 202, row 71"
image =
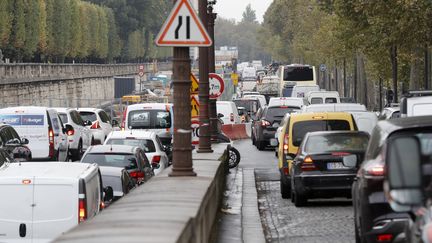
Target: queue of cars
column 82, row 176
column 343, row 150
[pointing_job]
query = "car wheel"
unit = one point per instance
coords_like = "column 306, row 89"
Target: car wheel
column 285, row 188
column 76, row 155
column 92, row 141
column 253, row 139
column 260, row 145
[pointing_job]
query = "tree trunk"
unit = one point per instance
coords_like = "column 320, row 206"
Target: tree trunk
column 415, row 70
column 393, row 58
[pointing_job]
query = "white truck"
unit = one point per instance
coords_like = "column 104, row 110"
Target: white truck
column 416, row 103
column 268, row 86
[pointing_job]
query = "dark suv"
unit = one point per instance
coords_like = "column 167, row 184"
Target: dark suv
column 266, row 122
column 374, row 219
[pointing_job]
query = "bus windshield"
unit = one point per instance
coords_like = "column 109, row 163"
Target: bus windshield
column 301, row 73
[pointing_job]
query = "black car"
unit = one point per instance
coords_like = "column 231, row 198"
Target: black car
column 375, row 220
column 13, row 144
column 133, row 159
column 266, row 122
column 318, row 170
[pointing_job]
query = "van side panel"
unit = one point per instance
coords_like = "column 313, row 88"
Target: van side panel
column 30, row 125
column 56, row 208
column 16, row 209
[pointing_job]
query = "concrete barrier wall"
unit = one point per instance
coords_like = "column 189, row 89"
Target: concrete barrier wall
column 165, row 209
column 60, row 84
column 237, row 131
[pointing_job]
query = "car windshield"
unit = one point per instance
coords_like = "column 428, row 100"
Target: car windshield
column 149, row 119
column 146, row 144
column 336, row 142
column 301, row 128
column 127, row 161
column 279, row 112
column 63, row 117
column 88, row 115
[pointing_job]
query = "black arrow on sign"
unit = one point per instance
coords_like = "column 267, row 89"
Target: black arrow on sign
column 180, row 23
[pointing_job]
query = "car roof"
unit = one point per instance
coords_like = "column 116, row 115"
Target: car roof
column 88, row 109
column 149, row 106
column 112, row 149
column 396, row 124
column 28, row 109
column 323, row 115
column 64, row 170
column 135, row 133
column 111, row 171
column 318, row 133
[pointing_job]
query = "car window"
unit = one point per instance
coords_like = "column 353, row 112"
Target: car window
column 316, row 100
column 278, row 112
column 149, row 119
column 127, row 161
column 299, row 129
column 146, row 144
column 63, row 117
column 146, row 162
column 88, row 115
column 4, row 136
column 13, row 133
column 330, row 100
column 159, row 142
column 336, row 142
column 395, row 114
column 56, row 124
column 104, row 117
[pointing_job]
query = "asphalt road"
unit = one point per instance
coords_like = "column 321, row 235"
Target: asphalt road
column 329, row 220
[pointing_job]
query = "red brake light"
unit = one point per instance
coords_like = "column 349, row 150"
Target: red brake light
column 265, row 123
column 375, row 170
column 232, row 117
column 70, row 132
column 137, row 174
column 51, row 142
column 286, row 170
column 341, row 154
column 156, row 159
column 82, row 214
column 95, row 125
column 385, row 238
column 307, row 164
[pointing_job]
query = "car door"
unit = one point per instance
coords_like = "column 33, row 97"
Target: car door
column 105, row 122
column 145, row 165
column 60, row 138
column 16, row 216
column 84, row 132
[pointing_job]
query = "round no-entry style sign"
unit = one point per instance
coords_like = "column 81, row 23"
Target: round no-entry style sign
column 216, row 84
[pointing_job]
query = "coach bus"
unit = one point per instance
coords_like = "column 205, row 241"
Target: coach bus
column 295, row 75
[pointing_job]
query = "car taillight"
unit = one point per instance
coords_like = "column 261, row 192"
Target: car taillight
column 384, row 238
column 265, row 123
column 156, row 159
column 123, row 123
column 95, row 125
column 286, row 170
column 307, row 164
column 375, row 170
column 82, row 212
column 70, row 132
column 285, row 143
column 137, row 174
column 51, row 142
column 232, row 117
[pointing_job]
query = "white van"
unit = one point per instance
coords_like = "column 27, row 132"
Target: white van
column 418, row 103
column 155, row 117
column 286, row 101
column 334, row 107
column 322, row 97
column 229, row 111
column 43, row 200
column 43, row 128
column 302, row 90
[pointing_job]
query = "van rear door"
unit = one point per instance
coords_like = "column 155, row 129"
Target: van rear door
column 16, row 214
column 55, row 208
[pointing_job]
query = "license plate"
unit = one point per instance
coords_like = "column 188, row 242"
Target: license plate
column 336, row 166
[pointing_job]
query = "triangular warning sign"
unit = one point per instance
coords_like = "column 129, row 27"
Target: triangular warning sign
column 183, row 28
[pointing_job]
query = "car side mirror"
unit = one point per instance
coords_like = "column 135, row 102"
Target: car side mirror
column 68, row 129
column 108, row 194
column 274, row 142
column 155, row 166
column 114, row 123
column 350, row 161
column 220, row 115
column 87, row 123
column 290, row 156
column 13, row 142
column 297, row 142
column 403, row 178
column 24, row 141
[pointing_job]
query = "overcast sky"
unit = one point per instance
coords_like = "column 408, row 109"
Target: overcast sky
column 233, row 9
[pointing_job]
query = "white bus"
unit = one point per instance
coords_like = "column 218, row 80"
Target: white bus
column 295, row 74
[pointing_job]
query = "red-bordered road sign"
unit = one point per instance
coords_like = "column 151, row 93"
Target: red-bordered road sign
column 216, row 84
column 183, row 28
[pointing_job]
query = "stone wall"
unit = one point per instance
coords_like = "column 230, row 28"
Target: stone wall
column 64, row 84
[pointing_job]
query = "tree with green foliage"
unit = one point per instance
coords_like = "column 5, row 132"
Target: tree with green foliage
column 6, row 17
